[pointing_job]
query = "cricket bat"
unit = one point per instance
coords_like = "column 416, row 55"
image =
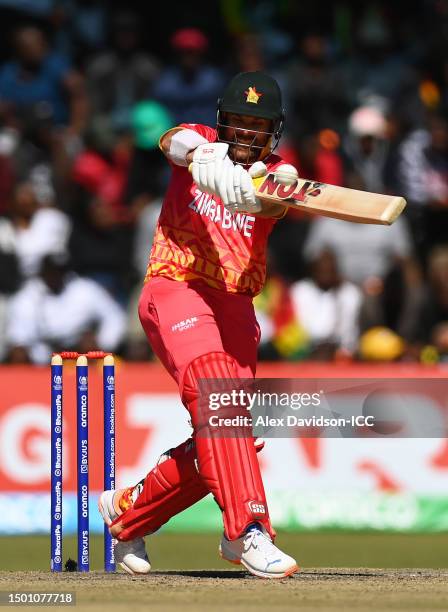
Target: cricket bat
column 330, row 200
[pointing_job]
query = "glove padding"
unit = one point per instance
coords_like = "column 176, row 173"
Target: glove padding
column 214, row 173
column 208, row 163
column 236, row 190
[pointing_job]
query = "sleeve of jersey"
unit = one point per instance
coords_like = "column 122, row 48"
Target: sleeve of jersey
column 204, row 130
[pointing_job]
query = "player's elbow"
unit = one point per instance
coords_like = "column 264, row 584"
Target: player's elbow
column 165, row 140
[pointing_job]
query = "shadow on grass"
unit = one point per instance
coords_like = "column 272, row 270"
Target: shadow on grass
column 226, row 574
column 242, row 574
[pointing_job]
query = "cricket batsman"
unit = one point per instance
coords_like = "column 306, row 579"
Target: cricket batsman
column 207, row 262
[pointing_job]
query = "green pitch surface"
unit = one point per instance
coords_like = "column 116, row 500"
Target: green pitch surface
column 189, row 576
column 170, row 551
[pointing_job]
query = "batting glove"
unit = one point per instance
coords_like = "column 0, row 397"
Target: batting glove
column 208, row 162
column 236, row 190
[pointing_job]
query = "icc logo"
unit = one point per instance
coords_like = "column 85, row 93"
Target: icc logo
column 57, row 379
column 110, row 380
column 83, row 380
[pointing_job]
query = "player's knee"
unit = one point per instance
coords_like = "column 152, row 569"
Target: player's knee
column 179, row 454
column 215, row 365
column 211, row 365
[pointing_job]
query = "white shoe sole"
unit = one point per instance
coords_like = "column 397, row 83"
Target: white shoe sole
column 237, row 561
column 131, row 572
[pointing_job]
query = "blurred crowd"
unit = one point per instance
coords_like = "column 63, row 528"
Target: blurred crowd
column 88, row 86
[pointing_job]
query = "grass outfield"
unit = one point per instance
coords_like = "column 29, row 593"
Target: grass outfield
column 169, row 551
column 189, row 576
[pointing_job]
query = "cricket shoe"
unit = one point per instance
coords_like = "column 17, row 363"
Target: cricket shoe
column 131, row 556
column 256, row 551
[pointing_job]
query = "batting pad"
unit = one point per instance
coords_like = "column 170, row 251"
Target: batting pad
column 172, row 486
column 227, row 465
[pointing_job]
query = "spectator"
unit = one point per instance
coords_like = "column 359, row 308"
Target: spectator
column 248, row 53
column 397, row 128
column 149, row 120
column 281, row 334
column 8, row 140
column 79, row 27
column 10, row 277
column 378, row 68
column 60, row 311
column 423, row 175
column 38, row 75
column 316, row 156
column 190, row 87
column 102, row 236
column 395, row 301
column 122, row 75
column 380, row 260
column 40, row 155
column 316, row 90
column 33, row 7
column 37, row 230
column 358, row 57
column 328, row 307
column 433, row 327
column 366, row 149
column 435, row 179
column 363, row 251
column 143, row 196
column 409, row 168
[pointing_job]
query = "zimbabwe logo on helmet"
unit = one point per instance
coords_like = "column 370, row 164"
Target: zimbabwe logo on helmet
column 252, row 95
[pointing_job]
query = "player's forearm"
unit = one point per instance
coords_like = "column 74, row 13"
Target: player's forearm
column 179, row 144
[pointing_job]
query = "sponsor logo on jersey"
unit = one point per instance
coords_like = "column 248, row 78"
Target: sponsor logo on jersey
column 205, row 205
column 183, row 325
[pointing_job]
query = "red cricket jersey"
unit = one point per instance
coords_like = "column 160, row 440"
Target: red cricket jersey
column 197, row 238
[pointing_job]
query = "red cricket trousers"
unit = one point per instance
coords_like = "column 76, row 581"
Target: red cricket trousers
column 195, row 329
column 184, row 320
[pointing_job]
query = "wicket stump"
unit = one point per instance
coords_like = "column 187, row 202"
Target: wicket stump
column 82, row 419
